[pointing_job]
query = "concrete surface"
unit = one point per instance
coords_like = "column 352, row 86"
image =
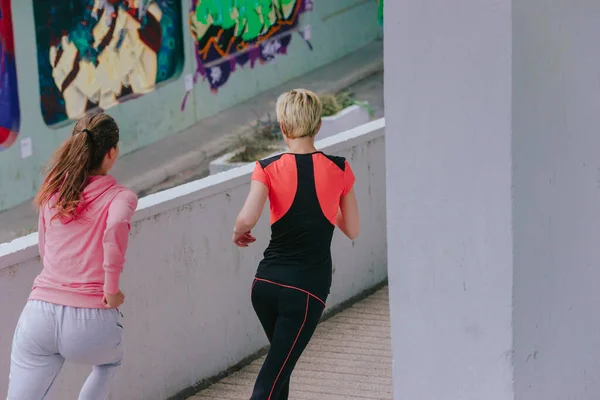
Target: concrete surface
column 449, row 167
column 185, row 157
column 188, row 315
column 556, row 199
column 348, row 118
column 336, row 28
column 348, row 358
column 493, row 198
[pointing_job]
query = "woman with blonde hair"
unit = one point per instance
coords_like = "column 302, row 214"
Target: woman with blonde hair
column 84, row 223
column 310, row 193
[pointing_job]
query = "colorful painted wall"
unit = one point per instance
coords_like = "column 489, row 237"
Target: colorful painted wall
column 10, row 114
column 96, row 54
column 157, row 66
column 235, row 35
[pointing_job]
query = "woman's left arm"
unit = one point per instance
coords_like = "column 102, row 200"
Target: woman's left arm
column 250, row 214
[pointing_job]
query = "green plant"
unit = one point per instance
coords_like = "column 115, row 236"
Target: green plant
column 331, row 105
column 366, row 106
column 334, row 103
column 346, row 99
column 264, row 140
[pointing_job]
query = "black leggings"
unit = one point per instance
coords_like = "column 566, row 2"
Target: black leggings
column 289, row 317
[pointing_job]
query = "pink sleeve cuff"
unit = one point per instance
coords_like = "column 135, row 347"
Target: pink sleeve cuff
column 111, row 282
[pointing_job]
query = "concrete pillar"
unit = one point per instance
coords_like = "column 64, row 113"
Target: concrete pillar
column 556, row 199
column 448, row 139
column 493, row 164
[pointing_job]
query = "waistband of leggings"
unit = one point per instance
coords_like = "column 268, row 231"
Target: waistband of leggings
column 257, row 279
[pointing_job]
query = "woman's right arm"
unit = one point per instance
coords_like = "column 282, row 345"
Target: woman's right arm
column 348, row 219
column 253, row 208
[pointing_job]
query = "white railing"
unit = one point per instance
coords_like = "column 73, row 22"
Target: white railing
column 188, row 314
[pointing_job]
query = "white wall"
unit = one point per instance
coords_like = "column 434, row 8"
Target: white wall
column 188, row 314
column 448, row 113
column 556, row 165
column 493, row 198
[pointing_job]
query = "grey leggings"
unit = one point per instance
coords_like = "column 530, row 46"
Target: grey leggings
column 48, row 334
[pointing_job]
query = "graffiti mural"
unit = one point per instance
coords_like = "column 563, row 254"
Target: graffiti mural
column 98, row 53
column 10, row 114
column 231, row 33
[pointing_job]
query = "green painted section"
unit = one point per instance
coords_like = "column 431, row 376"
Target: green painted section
column 253, row 14
column 337, row 28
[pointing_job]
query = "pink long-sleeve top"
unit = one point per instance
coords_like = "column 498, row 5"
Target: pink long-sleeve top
column 83, row 257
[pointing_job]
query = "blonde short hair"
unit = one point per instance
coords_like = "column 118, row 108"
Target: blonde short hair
column 299, row 113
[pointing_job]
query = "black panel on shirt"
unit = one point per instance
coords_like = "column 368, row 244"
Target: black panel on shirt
column 339, row 161
column 299, row 253
column 268, row 161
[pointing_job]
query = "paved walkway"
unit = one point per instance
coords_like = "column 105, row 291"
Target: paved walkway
column 349, row 358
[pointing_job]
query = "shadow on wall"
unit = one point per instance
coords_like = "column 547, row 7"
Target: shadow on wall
column 95, row 54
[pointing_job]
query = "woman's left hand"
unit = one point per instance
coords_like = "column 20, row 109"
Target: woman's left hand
column 243, row 239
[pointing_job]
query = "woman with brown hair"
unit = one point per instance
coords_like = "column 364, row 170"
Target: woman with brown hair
column 84, row 224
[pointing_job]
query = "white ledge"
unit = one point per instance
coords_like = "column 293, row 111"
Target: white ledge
column 26, row 247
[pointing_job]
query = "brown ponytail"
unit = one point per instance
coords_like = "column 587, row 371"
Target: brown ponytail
column 79, row 157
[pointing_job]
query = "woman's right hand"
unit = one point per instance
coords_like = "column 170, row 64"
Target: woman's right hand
column 243, row 239
column 113, row 300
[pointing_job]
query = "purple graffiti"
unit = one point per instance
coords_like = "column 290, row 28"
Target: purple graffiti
column 221, row 47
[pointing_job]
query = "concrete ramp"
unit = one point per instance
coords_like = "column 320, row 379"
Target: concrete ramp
column 349, row 358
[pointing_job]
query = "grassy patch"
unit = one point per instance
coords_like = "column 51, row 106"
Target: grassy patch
column 264, row 140
column 333, row 103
